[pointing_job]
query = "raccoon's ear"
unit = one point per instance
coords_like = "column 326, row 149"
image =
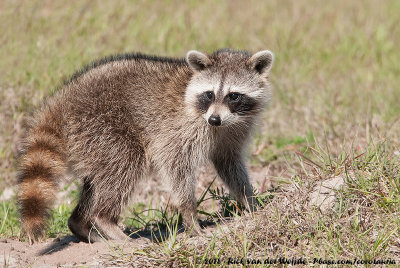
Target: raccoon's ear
column 197, row 60
column 262, row 61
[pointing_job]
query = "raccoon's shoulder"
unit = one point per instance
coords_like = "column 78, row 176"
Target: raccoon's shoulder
column 135, row 57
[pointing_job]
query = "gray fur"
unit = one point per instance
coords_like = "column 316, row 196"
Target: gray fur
column 122, row 118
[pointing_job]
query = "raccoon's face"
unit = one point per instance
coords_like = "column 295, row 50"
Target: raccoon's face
column 228, row 87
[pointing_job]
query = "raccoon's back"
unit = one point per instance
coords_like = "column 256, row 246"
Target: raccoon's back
column 127, row 94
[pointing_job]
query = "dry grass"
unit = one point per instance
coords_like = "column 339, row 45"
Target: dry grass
column 336, row 103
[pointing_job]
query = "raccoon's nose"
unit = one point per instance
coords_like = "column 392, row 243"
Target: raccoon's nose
column 214, row 120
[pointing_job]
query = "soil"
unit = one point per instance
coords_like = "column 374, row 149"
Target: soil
column 69, row 252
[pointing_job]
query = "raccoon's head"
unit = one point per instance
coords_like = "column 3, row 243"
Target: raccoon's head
column 228, row 87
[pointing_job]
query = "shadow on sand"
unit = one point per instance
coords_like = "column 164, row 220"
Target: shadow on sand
column 155, row 236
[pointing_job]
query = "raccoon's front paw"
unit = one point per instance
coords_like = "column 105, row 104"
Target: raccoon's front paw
column 252, row 204
column 193, row 229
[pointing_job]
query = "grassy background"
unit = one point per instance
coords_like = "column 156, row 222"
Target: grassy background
column 335, row 100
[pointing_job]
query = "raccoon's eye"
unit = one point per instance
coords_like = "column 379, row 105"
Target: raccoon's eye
column 210, row 95
column 234, row 96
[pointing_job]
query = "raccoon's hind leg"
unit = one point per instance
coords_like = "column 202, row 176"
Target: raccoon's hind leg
column 97, row 213
column 102, row 199
column 79, row 223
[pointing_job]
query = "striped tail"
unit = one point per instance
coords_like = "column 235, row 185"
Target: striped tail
column 41, row 165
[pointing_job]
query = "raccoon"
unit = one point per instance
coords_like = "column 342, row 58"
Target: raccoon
column 126, row 115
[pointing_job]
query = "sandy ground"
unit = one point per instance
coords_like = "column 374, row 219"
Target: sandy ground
column 69, row 252
column 66, row 251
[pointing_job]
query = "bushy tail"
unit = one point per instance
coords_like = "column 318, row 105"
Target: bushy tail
column 41, row 165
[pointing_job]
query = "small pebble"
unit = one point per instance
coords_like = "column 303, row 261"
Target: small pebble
column 3, row 240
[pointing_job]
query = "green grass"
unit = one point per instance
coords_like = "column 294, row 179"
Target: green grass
column 335, row 112
column 9, row 219
column 10, row 226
